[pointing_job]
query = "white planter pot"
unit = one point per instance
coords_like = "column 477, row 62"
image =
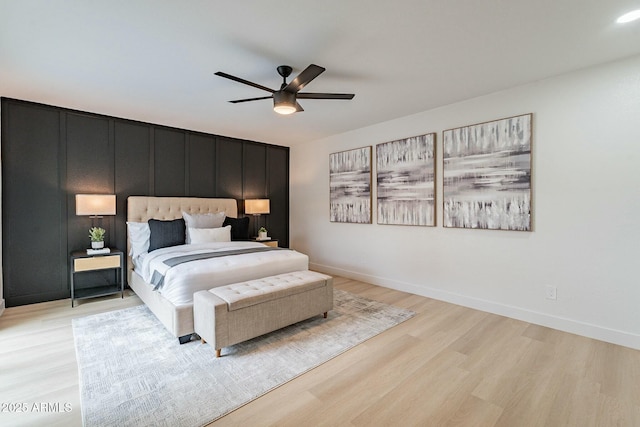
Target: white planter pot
column 97, row 245
column 262, row 235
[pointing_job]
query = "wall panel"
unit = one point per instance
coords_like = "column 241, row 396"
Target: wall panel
column 132, row 170
column 202, row 154
column 89, row 170
column 33, row 206
column 255, row 171
column 169, row 166
column 278, row 190
column 49, row 154
column 229, row 168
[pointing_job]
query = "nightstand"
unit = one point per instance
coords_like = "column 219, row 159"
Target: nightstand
column 272, row 242
column 80, row 262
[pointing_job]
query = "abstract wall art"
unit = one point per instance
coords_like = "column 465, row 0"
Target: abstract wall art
column 350, row 186
column 405, row 172
column 487, row 175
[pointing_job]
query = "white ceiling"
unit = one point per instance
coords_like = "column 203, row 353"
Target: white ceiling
column 154, row 60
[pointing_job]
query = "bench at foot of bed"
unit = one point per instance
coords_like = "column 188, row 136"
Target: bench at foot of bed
column 228, row 315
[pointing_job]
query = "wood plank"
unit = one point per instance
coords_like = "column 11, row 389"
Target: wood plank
column 448, row 365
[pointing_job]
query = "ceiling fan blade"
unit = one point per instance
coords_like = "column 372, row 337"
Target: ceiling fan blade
column 250, row 99
column 309, row 95
column 302, row 79
column 239, row 80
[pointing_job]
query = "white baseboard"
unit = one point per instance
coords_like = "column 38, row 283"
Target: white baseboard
column 555, row 322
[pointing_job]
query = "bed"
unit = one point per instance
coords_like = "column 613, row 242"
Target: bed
column 171, row 297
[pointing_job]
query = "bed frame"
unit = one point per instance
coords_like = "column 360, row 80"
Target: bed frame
column 177, row 319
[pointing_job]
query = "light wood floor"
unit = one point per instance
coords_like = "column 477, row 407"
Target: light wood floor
column 447, row 366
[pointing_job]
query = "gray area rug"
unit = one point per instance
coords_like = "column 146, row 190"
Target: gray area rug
column 134, row 373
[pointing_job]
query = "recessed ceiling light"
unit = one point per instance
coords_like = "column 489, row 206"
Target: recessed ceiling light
column 628, row 17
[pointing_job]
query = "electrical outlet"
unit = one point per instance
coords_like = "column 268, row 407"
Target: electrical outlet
column 551, row 292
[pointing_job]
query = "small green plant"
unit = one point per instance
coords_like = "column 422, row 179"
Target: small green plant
column 97, row 234
column 262, row 230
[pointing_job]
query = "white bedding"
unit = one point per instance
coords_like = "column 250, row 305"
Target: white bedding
column 181, row 281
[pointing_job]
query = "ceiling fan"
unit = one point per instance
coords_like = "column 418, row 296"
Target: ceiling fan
column 285, row 99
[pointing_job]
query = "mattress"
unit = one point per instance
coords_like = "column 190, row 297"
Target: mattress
column 183, row 280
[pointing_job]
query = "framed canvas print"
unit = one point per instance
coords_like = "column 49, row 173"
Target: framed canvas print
column 405, row 172
column 487, row 175
column 350, row 186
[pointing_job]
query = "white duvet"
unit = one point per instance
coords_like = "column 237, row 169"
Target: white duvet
column 181, row 281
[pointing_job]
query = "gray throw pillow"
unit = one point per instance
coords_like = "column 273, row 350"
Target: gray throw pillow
column 208, row 220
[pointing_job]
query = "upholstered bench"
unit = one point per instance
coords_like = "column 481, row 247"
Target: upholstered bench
column 228, row 315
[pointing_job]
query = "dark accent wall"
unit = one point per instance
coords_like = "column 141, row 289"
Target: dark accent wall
column 50, row 154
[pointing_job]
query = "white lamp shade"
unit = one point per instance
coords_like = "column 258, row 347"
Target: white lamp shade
column 256, row 206
column 95, row 204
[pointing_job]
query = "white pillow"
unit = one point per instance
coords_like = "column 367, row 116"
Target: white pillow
column 208, row 220
column 208, row 235
column 139, row 235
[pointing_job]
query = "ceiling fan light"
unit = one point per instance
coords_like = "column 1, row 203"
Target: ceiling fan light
column 284, row 109
column 284, row 102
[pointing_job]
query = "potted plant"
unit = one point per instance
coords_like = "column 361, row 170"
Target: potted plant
column 96, row 234
column 262, row 234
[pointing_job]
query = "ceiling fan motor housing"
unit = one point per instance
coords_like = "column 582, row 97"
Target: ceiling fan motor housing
column 284, row 99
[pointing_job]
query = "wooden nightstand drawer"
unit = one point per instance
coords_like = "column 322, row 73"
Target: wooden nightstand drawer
column 271, row 242
column 96, row 263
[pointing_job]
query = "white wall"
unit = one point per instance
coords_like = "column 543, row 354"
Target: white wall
column 586, row 208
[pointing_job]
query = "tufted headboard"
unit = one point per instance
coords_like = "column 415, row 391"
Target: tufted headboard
column 144, row 208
